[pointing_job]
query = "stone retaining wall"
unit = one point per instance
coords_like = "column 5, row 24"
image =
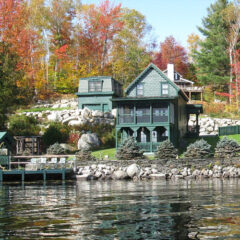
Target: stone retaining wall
column 158, row 169
column 209, row 126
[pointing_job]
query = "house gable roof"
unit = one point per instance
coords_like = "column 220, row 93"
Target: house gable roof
column 152, row 66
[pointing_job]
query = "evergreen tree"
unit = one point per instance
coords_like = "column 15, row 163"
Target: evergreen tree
column 9, row 75
column 212, row 60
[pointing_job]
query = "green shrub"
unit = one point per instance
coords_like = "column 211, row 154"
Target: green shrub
column 129, row 150
column 166, row 150
column 56, row 149
column 21, row 125
column 227, row 148
column 198, row 150
column 56, row 132
column 84, row 155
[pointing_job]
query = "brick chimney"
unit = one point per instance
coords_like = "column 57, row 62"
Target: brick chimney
column 170, row 71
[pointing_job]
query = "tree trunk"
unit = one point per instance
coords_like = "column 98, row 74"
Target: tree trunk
column 231, row 76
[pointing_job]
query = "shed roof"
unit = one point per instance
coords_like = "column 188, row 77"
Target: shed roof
column 2, row 135
column 194, row 108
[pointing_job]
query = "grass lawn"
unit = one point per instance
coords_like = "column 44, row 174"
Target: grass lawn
column 235, row 137
column 101, row 153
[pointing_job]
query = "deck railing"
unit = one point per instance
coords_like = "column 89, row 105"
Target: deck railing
column 228, row 130
column 191, row 89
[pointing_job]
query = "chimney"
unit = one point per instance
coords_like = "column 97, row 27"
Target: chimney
column 170, row 71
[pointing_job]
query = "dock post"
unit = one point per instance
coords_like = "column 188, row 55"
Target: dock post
column 23, row 175
column 44, row 175
column 1, row 175
column 63, row 174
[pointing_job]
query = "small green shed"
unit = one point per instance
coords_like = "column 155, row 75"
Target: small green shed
column 6, row 143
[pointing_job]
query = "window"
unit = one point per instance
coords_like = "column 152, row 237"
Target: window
column 165, row 89
column 140, row 89
column 95, row 86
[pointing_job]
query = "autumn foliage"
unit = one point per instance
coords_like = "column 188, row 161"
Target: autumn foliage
column 172, row 52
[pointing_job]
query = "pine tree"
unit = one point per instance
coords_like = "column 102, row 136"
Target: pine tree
column 212, row 60
column 9, row 75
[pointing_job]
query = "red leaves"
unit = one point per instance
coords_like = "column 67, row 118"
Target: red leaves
column 172, row 52
column 61, row 52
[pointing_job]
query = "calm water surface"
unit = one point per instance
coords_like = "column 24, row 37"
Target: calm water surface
column 121, row 210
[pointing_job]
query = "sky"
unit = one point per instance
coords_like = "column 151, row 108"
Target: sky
column 178, row 18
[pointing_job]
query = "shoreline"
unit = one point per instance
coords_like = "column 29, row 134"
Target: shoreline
column 158, row 169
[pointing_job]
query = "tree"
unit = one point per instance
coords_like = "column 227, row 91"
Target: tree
column 172, row 52
column 193, row 45
column 232, row 16
column 129, row 52
column 15, row 31
column 212, row 60
column 9, row 76
column 98, row 29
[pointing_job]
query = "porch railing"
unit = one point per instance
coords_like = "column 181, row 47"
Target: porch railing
column 144, row 146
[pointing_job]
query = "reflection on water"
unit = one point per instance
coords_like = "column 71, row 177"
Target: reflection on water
column 121, row 210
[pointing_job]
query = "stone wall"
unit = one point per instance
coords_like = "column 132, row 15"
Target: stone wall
column 70, row 114
column 209, row 126
column 156, row 169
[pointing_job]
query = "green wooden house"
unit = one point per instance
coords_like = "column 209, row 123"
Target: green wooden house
column 96, row 93
column 154, row 109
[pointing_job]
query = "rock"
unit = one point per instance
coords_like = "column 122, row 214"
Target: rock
column 54, row 116
column 82, row 177
column 158, row 176
column 88, row 141
column 119, row 175
column 98, row 174
column 133, row 170
column 86, row 113
column 75, row 122
column 66, row 120
column 68, row 147
column 91, row 177
column 97, row 113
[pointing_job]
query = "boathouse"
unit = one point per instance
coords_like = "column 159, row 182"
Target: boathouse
column 154, row 109
column 96, row 93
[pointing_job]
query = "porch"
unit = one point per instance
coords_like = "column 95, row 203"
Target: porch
column 147, row 138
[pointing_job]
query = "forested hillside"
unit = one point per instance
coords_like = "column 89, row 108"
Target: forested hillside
column 46, row 46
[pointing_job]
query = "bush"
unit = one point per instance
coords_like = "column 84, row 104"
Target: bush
column 227, row 148
column 56, row 149
column 129, row 150
column 166, row 150
column 85, row 155
column 21, row 125
column 56, row 132
column 198, row 150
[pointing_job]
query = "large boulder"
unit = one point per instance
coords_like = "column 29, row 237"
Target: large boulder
column 88, row 141
column 133, row 170
column 54, row 116
column 119, row 175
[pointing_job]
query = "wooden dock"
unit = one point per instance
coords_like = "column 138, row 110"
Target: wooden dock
column 44, row 174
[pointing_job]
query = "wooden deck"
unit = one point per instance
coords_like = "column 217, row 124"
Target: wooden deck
column 44, row 174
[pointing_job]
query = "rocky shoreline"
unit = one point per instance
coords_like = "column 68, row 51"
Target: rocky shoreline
column 159, row 170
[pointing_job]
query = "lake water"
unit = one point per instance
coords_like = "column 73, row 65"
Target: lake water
column 121, row 210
